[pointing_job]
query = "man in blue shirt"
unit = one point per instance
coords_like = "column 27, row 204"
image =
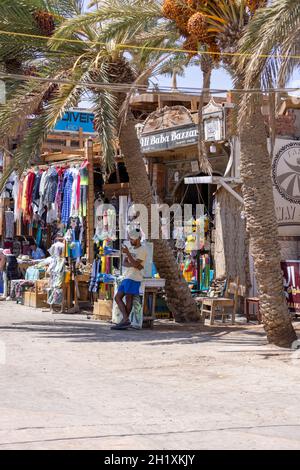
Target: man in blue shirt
column 36, row 252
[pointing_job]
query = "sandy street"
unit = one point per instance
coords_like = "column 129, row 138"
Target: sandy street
column 67, row 382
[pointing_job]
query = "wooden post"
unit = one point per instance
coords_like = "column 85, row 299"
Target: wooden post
column 5, row 202
column 81, row 141
column 90, row 201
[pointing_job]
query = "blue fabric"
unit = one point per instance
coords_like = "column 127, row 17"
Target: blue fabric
column 67, row 197
column 76, row 250
column 38, row 254
column 128, row 286
column 32, row 274
column 51, row 186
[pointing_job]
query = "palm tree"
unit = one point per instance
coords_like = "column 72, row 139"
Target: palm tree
column 219, row 25
column 257, row 189
column 85, row 64
column 273, row 31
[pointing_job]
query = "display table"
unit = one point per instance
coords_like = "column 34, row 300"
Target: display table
column 150, row 288
column 25, row 264
column 107, row 309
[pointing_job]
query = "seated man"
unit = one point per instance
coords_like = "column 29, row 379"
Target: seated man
column 36, row 252
column 135, row 259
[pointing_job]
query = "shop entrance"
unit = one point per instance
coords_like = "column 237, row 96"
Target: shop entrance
column 196, row 194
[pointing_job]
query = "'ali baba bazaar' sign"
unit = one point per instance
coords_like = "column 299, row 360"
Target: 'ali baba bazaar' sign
column 169, row 139
column 172, row 127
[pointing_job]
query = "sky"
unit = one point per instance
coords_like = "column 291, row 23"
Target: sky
column 193, row 77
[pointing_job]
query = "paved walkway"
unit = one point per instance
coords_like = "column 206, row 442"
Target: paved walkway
column 71, row 383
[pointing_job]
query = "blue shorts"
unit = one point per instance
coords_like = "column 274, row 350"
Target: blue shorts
column 128, row 286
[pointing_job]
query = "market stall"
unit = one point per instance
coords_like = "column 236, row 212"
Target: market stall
column 62, row 241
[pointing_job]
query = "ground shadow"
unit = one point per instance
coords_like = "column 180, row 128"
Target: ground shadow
column 164, row 332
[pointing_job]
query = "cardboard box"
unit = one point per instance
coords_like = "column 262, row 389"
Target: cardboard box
column 103, row 310
column 31, row 299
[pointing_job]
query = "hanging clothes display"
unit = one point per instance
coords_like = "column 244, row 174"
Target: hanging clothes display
column 84, row 182
column 67, row 196
column 42, row 194
column 9, row 224
column 28, row 196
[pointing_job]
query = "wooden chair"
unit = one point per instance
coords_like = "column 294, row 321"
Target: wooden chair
column 254, row 301
column 212, row 305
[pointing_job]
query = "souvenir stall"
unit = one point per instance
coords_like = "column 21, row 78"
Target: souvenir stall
column 107, row 271
column 47, row 207
column 193, row 253
column 64, row 243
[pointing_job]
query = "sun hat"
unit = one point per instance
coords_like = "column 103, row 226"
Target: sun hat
column 134, row 233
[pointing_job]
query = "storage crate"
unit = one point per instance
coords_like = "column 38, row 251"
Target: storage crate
column 103, row 310
column 35, row 300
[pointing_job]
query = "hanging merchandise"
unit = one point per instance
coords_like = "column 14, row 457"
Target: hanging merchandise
column 9, row 224
column 67, row 197
column 27, row 195
column 42, row 186
column 84, row 181
column 189, row 269
column 105, row 222
column 74, row 237
column 75, row 198
column 36, row 192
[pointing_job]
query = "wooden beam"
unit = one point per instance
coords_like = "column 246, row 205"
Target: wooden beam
column 56, row 148
column 62, row 156
column 115, row 186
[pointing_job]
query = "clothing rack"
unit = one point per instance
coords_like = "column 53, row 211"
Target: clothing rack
column 44, row 166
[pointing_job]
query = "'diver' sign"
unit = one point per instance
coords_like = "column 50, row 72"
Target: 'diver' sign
column 73, row 120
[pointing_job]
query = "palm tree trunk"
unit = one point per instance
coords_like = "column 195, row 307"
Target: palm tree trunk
column 179, row 297
column 174, row 80
column 262, row 225
column 204, row 163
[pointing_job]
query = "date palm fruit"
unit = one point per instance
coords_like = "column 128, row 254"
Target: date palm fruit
column 29, row 70
column 178, row 11
column 45, row 22
column 191, row 45
column 196, row 4
column 215, row 50
column 197, row 26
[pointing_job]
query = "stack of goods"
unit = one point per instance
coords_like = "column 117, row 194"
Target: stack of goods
column 217, row 288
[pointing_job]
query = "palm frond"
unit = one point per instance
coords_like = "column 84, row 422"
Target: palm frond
column 29, row 149
column 270, row 28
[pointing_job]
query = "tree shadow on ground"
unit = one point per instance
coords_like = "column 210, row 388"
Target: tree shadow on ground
column 164, row 332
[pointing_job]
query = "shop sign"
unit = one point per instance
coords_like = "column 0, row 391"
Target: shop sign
column 213, row 122
column 169, row 139
column 291, row 279
column 286, row 182
column 73, row 120
column 213, row 129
